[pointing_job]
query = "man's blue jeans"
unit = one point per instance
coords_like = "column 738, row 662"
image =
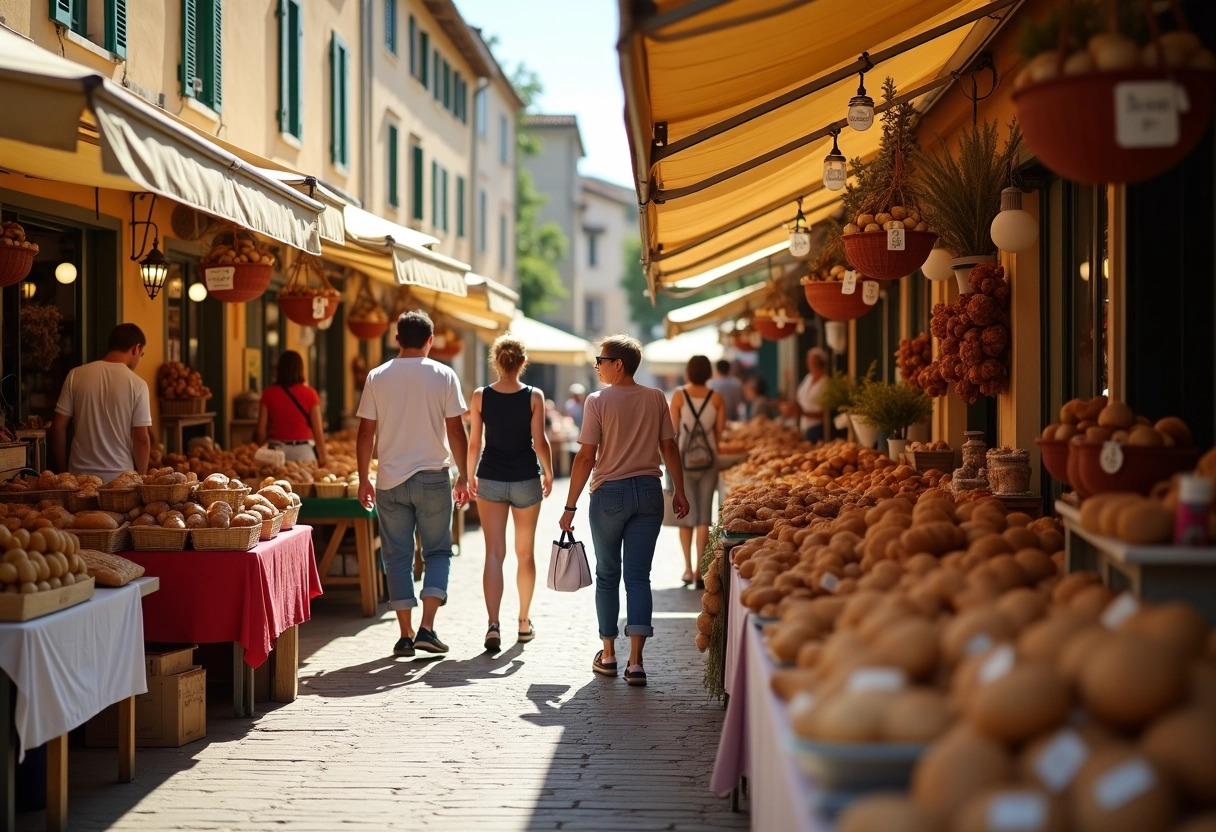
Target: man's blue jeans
column 625, row 520
column 423, row 502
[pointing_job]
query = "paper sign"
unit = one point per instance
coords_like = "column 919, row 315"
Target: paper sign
column 1060, row 760
column 849, row 286
column 220, row 277
column 1146, row 114
column 896, row 239
column 996, row 665
column 1111, row 457
column 1123, row 784
column 876, row 678
column 1119, row 610
column 1017, row 812
column 869, row 292
column 320, row 307
column 829, row 582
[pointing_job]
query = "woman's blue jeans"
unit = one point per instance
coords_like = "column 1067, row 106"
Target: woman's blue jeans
column 625, row 520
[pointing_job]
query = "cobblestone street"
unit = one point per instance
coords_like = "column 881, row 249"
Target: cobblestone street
column 528, row 739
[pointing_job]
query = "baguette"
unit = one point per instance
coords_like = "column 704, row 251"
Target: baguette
column 110, row 570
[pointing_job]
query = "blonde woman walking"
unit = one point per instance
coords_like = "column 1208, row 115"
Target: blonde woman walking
column 514, row 474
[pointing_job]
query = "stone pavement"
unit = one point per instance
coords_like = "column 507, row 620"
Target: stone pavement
column 529, row 739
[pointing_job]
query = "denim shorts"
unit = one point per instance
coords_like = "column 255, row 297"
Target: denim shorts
column 523, row 494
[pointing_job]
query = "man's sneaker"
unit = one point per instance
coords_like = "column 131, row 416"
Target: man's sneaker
column 426, row 640
column 404, row 647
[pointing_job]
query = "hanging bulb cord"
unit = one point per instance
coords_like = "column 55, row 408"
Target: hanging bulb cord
column 861, row 76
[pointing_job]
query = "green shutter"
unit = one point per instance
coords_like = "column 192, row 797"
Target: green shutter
column 210, row 51
column 413, row 47
column 394, row 198
column 434, row 193
column 298, row 69
column 444, row 199
column 390, row 25
column 424, row 58
column 438, row 74
column 116, row 27
column 447, row 86
column 61, row 12
column 189, row 65
column 338, row 114
column 419, row 165
column 284, row 70
column 459, row 206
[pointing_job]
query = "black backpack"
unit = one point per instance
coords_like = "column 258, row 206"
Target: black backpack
column 696, row 454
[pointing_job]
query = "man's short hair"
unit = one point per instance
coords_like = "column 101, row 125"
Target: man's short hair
column 722, row 366
column 819, row 354
column 413, row 329
column 625, row 347
column 125, row 336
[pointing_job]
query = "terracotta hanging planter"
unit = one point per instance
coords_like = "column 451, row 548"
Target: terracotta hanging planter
column 776, row 329
column 869, row 253
column 308, row 311
column 236, row 269
column 367, row 319
column 367, row 330
column 304, row 303
column 831, row 304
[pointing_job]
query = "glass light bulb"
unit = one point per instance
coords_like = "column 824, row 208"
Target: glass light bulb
column 861, row 112
column 197, row 292
column 835, row 173
column 65, row 273
column 937, row 268
column 1013, row 229
column 800, row 243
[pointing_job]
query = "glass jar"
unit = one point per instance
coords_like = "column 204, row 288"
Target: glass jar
column 974, row 450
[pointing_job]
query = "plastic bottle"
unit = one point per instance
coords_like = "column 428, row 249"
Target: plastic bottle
column 1194, row 506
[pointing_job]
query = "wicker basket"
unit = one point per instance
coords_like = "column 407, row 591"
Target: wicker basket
column 15, row 264
column 304, row 489
column 929, row 460
column 76, row 502
column 183, row 407
column 118, row 499
column 352, row 489
column 367, row 330
column 105, row 540
column 299, row 309
column 57, row 496
column 178, row 492
column 249, row 281
column 155, row 538
column 868, row 252
column 330, row 490
column 272, row 526
column 290, row 515
column 235, row 539
column 234, row 497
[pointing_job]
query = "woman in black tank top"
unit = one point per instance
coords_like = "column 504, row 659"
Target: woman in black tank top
column 510, row 477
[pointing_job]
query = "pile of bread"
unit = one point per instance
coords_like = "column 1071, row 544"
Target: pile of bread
column 38, row 561
column 273, row 497
column 239, row 462
column 125, row 481
column 50, row 481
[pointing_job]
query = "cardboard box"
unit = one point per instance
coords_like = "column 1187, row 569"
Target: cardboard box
column 172, row 713
column 168, row 659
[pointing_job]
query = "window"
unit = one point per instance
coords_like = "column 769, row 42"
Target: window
column 390, row 25
column 291, row 68
column 593, row 313
column 593, row 238
column 339, row 79
column 502, row 241
column 447, row 86
column 460, row 206
column 202, row 52
column 480, row 102
column 416, row 171
column 424, row 57
column 443, row 198
column 481, row 222
column 434, row 193
column 459, row 101
column 413, row 47
column 504, row 150
column 74, row 16
column 394, row 197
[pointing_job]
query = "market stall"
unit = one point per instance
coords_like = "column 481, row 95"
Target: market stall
column 345, row 514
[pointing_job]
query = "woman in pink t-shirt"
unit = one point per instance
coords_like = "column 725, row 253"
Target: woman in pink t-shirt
column 625, row 429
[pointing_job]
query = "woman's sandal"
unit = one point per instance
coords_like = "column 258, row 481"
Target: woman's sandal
column 601, row 667
column 528, row 634
column 635, row 677
column 493, row 639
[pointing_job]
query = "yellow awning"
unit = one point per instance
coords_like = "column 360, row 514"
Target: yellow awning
column 736, row 304
column 728, row 106
column 549, row 345
column 67, row 123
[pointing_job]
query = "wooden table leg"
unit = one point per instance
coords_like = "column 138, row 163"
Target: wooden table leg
column 126, row 739
column 57, row 783
column 283, row 685
column 331, row 549
column 367, row 565
column 242, row 683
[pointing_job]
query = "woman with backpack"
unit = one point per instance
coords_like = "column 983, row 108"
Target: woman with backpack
column 289, row 415
column 700, row 416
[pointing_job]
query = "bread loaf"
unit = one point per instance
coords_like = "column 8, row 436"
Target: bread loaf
column 110, row 570
column 95, row 520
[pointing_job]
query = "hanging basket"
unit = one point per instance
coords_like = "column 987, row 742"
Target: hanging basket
column 831, row 304
column 367, row 319
column 745, row 340
column 446, row 346
column 773, row 331
column 367, row 330
column 1069, row 123
column 236, row 269
column 301, row 301
column 15, row 264
column 308, row 311
column 868, row 252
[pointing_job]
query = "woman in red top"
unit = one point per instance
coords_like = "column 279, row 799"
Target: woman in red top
column 290, row 415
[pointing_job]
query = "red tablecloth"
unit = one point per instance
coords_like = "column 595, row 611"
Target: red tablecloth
column 247, row 597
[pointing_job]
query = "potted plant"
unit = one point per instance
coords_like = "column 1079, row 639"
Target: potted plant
column 891, row 408
column 837, row 397
column 962, row 194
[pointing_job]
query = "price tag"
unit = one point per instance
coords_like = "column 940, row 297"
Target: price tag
column 1060, row 760
column 829, row 582
column 869, row 292
column 876, row 678
column 1146, row 114
column 897, row 238
column 849, row 286
column 1123, row 784
column 996, row 665
column 1017, row 812
column 802, row 703
column 1119, row 610
column 219, row 277
column 1111, row 457
column 977, row 644
column 320, row 306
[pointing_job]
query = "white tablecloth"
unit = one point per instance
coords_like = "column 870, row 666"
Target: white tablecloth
column 70, row 665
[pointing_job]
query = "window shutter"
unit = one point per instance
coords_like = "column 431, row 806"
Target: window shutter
column 447, row 86
column 413, row 47
column 116, row 27
column 338, row 114
column 419, row 165
column 189, row 65
column 210, row 55
column 393, row 197
column 459, row 206
column 438, row 76
column 298, row 68
column 217, row 55
column 434, row 193
column 61, row 12
column 424, row 59
column 284, row 70
column 390, row 25
column 444, row 199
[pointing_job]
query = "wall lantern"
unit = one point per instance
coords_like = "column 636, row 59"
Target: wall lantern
column 1014, row 229
column 153, row 268
column 835, row 166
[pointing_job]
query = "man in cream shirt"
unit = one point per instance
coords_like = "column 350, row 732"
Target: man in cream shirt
column 108, row 404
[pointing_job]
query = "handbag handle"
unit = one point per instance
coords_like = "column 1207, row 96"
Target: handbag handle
column 561, row 541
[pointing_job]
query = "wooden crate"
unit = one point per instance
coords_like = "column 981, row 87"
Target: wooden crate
column 18, row 607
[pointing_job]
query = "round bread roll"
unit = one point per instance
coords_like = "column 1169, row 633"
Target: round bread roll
column 216, row 480
column 1022, row 808
column 917, row 715
column 1130, row 680
column 95, row 520
column 955, row 768
column 1183, row 743
column 1024, row 702
column 886, row 813
column 1120, row 790
column 973, row 631
column 277, row 496
column 1178, row 624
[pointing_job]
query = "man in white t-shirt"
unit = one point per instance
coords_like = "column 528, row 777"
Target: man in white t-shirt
column 108, row 404
column 809, row 391
column 410, row 417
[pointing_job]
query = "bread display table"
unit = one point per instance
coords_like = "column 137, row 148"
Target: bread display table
column 58, row 671
column 172, row 426
column 249, row 598
column 345, row 513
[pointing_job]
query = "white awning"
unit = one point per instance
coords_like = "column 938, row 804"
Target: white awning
column 332, row 222
column 388, row 251
column 736, row 304
column 673, row 353
column 77, row 126
column 549, row 345
column 501, row 301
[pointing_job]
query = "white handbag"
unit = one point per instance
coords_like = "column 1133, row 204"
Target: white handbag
column 568, row 567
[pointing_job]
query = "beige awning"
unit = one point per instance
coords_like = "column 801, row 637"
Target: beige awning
column 737, row 304
column 549, row 345
column 728, row 107
column 396, row 254
column 76, row 126
column 778, row 254
column 332, row 223
column 672, row 354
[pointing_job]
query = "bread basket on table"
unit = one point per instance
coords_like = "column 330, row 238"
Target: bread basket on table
column 108, row 541
column 234, row 538
column 172, row 493
column 79, row 501
column 232, row 496
column 271, row 526
column 158, row 539
column 330, row 490
column 290, row 515
column 118, row 499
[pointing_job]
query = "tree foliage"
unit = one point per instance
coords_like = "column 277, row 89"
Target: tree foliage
column 648, row 316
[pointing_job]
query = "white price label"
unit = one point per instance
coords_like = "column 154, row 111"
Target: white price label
column 977, row 644
column 996, row 665
column 320, row 307
column 219, row 277
column 1119, row 610
column 1060, row 760
column 849, row 286
column 1111, row 457
column 829, row 582
column 1146, row 114
column 897, row 239
column 1023, row 811
column 1123, row 784
column 869, row 292
column 877, row 678
column 802, row 703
